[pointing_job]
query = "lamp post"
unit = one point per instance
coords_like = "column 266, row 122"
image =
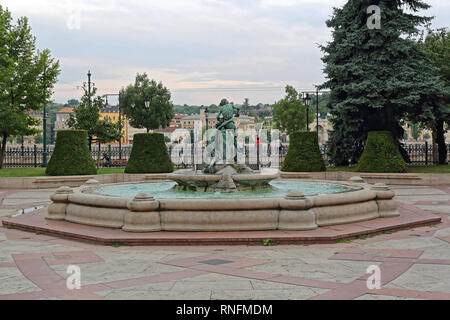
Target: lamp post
column 317, row 111
column 206, row 118
column 44, row 142
column 307, row 102
column 147, row 106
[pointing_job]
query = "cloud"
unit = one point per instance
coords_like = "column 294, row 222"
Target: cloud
column 235, row 46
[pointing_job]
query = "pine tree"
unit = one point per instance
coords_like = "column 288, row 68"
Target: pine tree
column 433, row 113
column 375, row 75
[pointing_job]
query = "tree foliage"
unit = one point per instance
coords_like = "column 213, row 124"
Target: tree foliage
column 71, row 155
column 381, row 154
column 376, row 76
column 303, row 153
column 149, row 154
column 132, row 100
column 27, row 78
column 433, row 113
column 290, row 112
column 86, row 116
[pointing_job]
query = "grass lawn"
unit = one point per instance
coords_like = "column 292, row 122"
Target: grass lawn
column 445, row 168
column 35, row 172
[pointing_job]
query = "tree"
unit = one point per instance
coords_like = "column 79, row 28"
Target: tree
column 433, row 113
column 160, row 111
column 72, row 102
column 290, row 112
column 40, row 139
column 27, row 78
column 376, row 76
column 86, row 116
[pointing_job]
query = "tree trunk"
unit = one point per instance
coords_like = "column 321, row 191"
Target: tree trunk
column 3, row 150
column 434, row 146
column 390, row 123
column 440, row 140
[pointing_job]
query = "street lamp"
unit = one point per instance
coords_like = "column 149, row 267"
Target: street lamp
column 307, row 102
column 206, row 117
column 147, row 106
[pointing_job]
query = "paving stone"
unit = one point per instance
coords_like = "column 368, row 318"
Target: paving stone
column 439, row 252
column 381, row 297
column 326, row 270
column 416, row 198
column 7, row 248
column 443, row 232
column 156, row 291
column 424, row 278
column 228, row 283
column 25, row 203
column 7, row 212
column 13, row 281
column 119, row 266
column 437, row 208
column 418, row 191
column 419, row 243
column 297, row 293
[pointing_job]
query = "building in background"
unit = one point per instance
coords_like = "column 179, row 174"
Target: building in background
column 111, row 113
column 61, row 118
column 189, row 122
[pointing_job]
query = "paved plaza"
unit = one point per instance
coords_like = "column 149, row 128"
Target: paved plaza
column 414, row 263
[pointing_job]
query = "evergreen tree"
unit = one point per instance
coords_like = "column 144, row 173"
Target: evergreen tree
column 376, row 76
column 433, row 113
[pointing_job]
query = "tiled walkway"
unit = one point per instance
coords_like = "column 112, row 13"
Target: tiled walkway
column 414, row 263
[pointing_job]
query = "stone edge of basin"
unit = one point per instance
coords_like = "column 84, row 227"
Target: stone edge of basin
column 295, row 211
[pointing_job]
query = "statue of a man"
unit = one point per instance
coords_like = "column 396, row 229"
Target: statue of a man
column 225, row 121
column 225, row 117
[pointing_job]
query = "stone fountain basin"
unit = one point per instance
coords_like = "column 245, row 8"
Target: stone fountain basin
column 200, row 182
column 143, row 213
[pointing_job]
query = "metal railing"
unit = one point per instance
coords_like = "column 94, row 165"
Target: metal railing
column 111, row 156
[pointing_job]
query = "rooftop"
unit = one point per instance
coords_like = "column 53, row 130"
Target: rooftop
column 65, row 110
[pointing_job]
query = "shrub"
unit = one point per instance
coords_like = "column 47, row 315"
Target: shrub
column 303, row 153
column 149, row 154
column 71, row 155
column 381, row 154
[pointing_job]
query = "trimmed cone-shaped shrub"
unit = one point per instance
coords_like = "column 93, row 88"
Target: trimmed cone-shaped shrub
column 303, row 153
column 381, row 154
column 71, row 155
column 149, row 154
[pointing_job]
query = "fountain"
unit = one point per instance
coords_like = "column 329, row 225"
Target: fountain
column 219, row 176
column 222, row 197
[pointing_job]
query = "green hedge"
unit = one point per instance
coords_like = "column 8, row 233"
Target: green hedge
column 149, row 154
column 71, row 155
column 303, row 153
column 381, row 154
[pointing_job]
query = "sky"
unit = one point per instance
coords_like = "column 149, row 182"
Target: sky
column 202, row 50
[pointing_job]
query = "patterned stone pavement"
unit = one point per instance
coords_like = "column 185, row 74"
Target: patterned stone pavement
column 414, row 263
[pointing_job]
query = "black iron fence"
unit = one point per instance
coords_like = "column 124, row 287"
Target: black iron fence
column 116, row 157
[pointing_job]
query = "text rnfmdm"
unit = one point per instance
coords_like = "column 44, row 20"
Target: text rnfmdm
column 225, row 309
